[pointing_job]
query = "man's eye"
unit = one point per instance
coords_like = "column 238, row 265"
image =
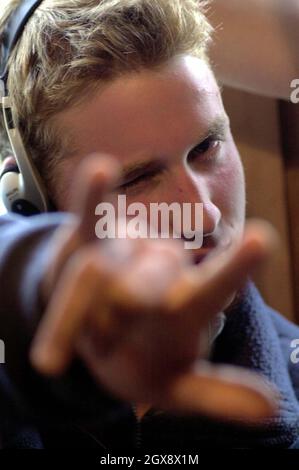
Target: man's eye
column 205, row 148
column 138, row 180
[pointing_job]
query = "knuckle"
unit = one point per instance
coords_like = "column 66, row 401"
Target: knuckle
column 84, row 265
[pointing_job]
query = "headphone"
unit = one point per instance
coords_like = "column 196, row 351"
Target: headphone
column 21, row 188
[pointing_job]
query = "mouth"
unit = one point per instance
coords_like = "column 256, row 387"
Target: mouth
column 210, row 249
column 200, row 257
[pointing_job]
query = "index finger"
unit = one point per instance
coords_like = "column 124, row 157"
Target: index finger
column 204, row 291
column 95, row 176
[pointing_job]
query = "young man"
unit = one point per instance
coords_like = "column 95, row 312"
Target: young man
column 91, row 328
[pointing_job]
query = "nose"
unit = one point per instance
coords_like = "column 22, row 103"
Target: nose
column 188, row 189
column 211, row 218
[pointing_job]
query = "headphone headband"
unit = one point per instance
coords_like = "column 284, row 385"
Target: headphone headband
column 13, row 31
column 22, row 192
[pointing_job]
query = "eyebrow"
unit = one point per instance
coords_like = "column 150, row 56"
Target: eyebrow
column 217, row 127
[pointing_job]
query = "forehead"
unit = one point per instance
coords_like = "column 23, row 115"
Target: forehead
column 150, row 111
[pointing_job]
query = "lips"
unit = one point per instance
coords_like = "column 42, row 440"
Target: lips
column 204, row 254
column 199, row 257
column 210, row 247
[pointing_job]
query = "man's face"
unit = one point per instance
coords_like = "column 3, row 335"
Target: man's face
column 170, row 133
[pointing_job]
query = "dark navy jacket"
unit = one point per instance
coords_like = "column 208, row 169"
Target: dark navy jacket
column 74, row 412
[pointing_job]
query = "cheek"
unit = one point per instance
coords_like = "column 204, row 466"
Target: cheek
column 61, row 193
column 227, row 186
column 63, row 184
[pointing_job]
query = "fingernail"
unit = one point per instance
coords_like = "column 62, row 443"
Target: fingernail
column 45, row 359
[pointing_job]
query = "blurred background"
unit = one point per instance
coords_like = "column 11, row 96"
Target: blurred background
column 267, row 134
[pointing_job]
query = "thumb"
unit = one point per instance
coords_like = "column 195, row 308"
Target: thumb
column 223, row 392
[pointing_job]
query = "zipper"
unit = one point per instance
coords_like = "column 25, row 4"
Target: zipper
column 138, row 433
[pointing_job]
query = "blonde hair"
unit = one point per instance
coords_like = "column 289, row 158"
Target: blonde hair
column 69, row 47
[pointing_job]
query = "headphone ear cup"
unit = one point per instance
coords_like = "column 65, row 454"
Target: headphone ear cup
column 10, row 187
column 12, row 193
